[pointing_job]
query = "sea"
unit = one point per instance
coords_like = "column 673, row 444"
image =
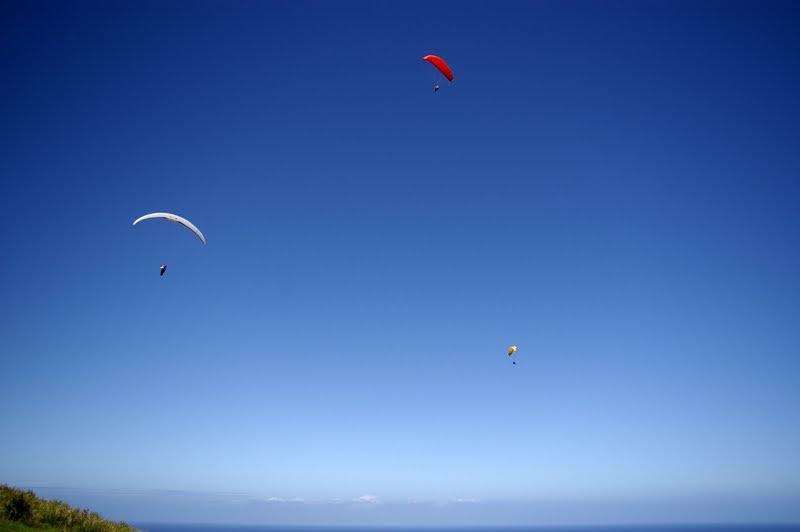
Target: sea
column 187, row 527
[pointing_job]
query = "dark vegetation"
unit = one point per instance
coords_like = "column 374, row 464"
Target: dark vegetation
column 22, row 511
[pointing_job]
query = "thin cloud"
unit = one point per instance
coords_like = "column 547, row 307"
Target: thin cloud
column 283, row 500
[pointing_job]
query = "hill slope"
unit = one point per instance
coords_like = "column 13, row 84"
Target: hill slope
column 21, row 511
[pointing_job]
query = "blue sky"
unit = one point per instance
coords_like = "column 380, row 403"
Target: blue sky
column 612, row 186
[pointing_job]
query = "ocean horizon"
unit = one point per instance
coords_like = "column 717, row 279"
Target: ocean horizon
column 202, row 527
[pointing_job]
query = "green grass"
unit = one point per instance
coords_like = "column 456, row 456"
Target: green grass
column 22, row 511
column 14, row 526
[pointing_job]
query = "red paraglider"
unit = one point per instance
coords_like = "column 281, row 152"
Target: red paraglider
column 439, row 63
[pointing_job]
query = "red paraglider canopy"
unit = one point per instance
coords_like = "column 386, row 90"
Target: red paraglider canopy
column 439, row 63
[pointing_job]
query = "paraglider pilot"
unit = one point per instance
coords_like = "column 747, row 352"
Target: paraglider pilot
column 436, row 88
column 163, row 269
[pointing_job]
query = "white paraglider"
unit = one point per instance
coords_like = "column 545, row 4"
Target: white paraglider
column 178, row 220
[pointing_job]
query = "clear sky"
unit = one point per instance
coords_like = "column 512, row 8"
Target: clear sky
column 611, row 186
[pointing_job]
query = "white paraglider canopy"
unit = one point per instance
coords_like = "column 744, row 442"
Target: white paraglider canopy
column 174, row 218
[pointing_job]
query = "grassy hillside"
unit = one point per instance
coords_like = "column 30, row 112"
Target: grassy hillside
column 21, row 511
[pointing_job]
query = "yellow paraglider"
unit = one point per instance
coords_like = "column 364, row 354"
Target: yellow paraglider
column 511, row 351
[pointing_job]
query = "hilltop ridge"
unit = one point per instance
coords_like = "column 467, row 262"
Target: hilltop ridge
column 22, row 511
